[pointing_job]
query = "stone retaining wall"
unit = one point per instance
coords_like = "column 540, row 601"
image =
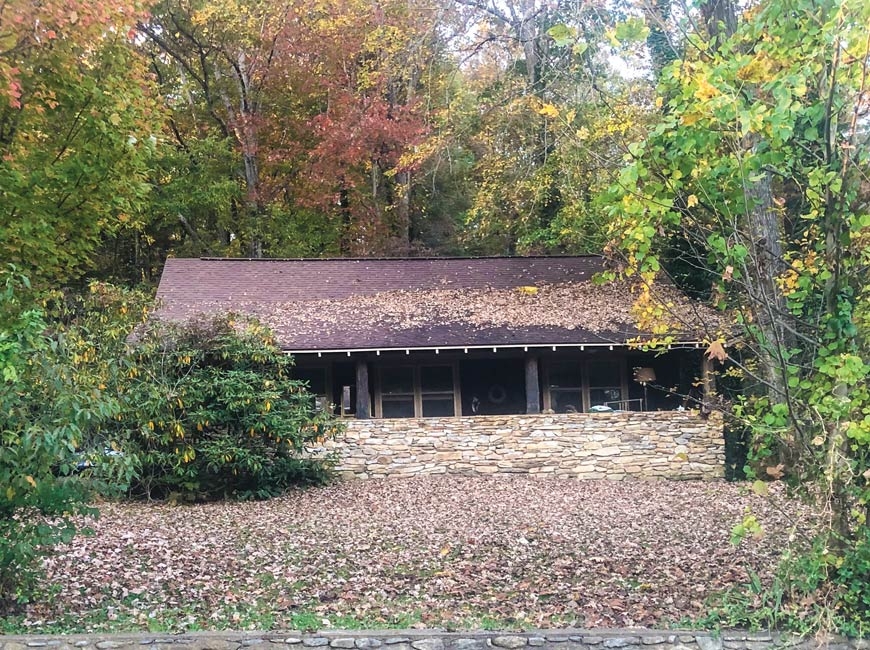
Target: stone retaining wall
column 672, row 444
column 626, row 639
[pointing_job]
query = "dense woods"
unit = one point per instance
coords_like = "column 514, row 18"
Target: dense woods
column 725, row 144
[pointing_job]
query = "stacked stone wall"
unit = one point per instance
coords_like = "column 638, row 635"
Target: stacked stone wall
column 673, row 444
column 573, row 639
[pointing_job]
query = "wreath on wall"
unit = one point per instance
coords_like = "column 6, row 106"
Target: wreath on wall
column 496, row 394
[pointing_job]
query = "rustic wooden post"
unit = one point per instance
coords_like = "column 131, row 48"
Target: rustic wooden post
column 708, row 379
column 362, row 390
column 533, row 396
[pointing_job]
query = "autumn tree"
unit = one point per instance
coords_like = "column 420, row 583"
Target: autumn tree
column 77, row 120
column 554, row 120
column 756, row 166
column 317, row 140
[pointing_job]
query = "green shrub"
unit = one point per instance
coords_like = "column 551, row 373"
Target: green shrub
column 46, row 413
column 824, row 587
column 211, row 412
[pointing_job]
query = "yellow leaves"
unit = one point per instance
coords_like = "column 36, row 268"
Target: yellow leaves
column 760, row 69
column 705, row 91
column 267, row 406
column 527, row 290
column 151, row 425
column 10, row 493
column 788, row 282
column 30, row 480
column 692, row 201
column 179, row 430
column 659, row 101
column 583, row 133
column 651, row 314
column 549, row 110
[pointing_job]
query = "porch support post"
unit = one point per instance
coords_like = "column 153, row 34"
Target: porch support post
column 362, row 390
column 707, row 378
column 533, row 391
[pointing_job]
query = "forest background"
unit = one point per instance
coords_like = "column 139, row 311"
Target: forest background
column 724, row 142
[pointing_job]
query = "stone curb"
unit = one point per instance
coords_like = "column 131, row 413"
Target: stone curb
column 434, row 639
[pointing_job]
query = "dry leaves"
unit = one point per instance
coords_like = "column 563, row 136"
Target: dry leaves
column 581, row 306
column 442, row 549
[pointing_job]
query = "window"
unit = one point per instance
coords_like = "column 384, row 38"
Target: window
column 576, row 386
column 605, row 383
column 316, row 378
column 566, row 388
column 417, row 391
column 397, row 392
column 436, row 391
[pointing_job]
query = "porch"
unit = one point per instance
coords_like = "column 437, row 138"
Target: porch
column 599, row 412
column 510, row 380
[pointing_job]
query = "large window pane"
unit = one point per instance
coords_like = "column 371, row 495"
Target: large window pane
column 436, row 379
column 434, row 407
column 316, row 378
column 397, row 381
column 565, row 375
column 565, row 401
column 605, row 374
column 605, row 396
column 398, row 407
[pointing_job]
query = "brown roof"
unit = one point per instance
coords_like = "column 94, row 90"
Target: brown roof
column 352, row 304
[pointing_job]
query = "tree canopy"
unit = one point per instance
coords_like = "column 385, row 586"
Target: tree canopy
column 723, row 144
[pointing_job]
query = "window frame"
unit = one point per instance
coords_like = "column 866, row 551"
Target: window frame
column 326, row 369
column 585, row 388
column 418, row 393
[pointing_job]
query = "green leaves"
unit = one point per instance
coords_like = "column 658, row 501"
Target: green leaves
column 211, row 412
column 741, row 179
column 632, row 29
column 562, row 34
column 45, row 417
column 75, row 164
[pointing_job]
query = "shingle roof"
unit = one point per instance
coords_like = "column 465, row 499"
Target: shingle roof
column 351, row 304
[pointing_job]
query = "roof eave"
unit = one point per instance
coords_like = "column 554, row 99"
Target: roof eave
column 682, row 344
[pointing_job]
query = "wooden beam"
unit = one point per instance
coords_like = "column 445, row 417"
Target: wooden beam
column 533, row 390
column 363, row 401
column 708, row 378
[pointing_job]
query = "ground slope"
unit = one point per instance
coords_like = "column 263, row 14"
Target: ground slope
column 445, row 550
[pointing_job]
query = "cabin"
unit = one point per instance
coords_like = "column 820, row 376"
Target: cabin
column 434, row 340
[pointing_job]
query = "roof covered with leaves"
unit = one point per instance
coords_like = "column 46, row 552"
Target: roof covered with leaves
column 364, row 304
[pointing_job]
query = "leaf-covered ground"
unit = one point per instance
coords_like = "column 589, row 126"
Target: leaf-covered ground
column 452, row 551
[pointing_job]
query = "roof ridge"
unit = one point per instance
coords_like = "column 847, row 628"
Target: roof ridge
column 390, row 259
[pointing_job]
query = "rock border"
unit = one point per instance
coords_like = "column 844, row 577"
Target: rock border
column 434, row 639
